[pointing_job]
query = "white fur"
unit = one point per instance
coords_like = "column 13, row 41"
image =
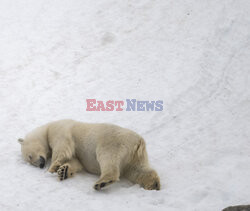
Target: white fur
column 105, row 149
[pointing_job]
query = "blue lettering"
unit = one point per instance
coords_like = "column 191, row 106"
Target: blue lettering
column 130, row 105
column 159, row 105
column 150, row 106
column 140, row 105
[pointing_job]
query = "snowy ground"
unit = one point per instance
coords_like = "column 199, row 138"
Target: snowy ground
column 194, row 55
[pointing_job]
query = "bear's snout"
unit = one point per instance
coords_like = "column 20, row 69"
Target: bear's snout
column 42, row 162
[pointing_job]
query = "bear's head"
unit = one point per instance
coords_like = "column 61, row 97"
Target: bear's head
column 34, row 152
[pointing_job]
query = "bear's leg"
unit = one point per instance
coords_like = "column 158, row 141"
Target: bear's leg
column 69, row 168
column 144, row 176
column 110, row 169
column 63, row 153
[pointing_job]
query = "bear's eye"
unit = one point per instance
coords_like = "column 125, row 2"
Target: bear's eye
column 30, row 157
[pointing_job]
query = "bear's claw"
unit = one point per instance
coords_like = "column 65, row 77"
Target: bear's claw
column 54, row 167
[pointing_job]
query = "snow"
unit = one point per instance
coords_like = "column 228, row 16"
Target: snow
column 194, row 55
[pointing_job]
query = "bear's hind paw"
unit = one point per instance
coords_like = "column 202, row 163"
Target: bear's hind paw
column 64, row 172
column 100, row 185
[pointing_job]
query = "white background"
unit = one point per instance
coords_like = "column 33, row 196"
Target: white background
column 194, row 55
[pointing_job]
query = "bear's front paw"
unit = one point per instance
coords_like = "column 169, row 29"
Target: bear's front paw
column 54, row 167
column 64, row 172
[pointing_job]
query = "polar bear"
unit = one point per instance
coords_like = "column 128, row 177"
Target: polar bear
column 104, row 149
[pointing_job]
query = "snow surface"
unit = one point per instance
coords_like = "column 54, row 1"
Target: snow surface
column 192, row 54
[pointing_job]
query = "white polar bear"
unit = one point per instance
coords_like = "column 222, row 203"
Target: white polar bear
column 104, row 149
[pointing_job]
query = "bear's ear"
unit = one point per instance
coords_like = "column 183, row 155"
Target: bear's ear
column 20, row 140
